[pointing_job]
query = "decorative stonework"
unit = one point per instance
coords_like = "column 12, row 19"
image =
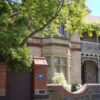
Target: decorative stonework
column 90, row 67
column 89, row 56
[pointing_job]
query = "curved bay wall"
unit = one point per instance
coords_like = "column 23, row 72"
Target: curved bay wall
column 88, row 92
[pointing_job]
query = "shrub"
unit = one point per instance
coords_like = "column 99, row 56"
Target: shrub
column 60, row 79
column 76, row 87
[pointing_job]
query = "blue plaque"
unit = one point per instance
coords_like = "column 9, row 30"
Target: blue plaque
column 41, row 77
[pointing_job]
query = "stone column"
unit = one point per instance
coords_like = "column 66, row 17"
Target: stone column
column 69, row 65
column 52, row 65
column 75, row 69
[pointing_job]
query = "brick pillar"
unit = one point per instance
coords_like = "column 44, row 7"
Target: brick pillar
column 40, row 79
column 3, row 68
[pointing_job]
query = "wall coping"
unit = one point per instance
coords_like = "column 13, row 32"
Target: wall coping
column 85, row 88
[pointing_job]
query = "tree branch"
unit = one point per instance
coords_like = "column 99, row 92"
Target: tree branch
column 15, row 14
column 48, row 22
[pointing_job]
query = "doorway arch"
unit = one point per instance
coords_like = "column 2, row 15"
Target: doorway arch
column 89, row 72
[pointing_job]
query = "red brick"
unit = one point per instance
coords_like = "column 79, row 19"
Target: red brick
column 3, row 69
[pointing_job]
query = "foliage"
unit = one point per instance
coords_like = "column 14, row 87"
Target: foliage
column 36, row 15
column 18, row 59
column 18, row 21
column 60, row 79
column 91, row 27
column 27, row 18
column 76, row 87
column 21, row 20
column 71, row 15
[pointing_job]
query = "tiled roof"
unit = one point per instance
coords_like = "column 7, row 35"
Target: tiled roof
column 92, row 18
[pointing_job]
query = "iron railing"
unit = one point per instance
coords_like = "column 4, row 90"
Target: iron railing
column 90, row 46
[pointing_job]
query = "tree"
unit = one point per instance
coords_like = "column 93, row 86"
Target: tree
column 21, row 20
column 18, row 21
column 34, row 15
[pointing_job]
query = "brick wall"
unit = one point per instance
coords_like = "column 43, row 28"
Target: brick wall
column 40, row 83
column 88, row 92
column 2, row 79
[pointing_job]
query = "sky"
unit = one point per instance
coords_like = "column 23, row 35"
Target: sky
column 94, row 6
column 16, row 1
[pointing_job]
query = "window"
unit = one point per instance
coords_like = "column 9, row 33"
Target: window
column 57, row 64
column 60, row 65
column 61, row 29
column 63, row 65
column 63, row 32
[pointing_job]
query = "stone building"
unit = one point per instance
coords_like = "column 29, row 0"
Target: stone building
column 77, row 58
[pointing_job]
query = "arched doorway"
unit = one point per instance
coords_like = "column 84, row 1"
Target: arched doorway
column 89, row 72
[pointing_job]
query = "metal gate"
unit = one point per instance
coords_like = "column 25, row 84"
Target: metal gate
column 19, row 86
